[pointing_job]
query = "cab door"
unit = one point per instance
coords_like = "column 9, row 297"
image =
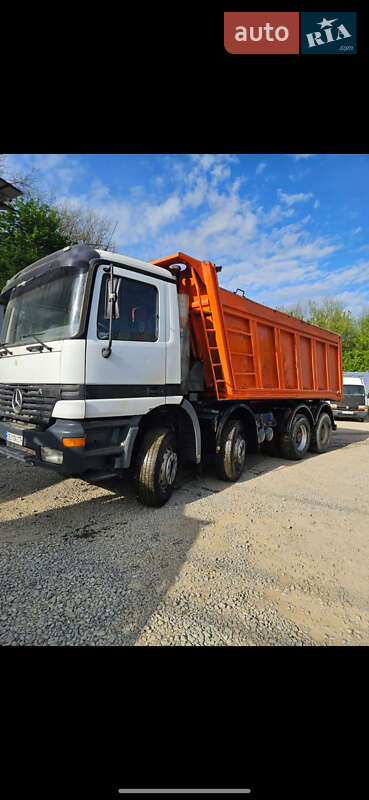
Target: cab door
column 132, row 379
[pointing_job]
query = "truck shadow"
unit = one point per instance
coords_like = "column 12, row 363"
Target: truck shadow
column 119, row 559
column 18, row 481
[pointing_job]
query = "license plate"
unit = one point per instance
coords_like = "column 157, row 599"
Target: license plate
column 14, row 438
column 346, row 412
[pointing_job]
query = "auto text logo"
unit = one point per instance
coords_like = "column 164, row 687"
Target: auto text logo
column 261, row 32
column 289, row 32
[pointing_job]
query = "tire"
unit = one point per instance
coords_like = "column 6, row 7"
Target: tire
column 321, row 435
column 156, row 467
column 230, row 460
column 295, row 443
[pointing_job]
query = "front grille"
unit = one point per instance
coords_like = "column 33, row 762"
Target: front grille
column 36, row 407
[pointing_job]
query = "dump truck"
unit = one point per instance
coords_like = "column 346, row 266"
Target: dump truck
column 109, row 364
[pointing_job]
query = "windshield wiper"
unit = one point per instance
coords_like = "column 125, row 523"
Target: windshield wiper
column 46, row 346
column 4, row 350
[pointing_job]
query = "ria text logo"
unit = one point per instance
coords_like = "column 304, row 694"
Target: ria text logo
column 328, row 33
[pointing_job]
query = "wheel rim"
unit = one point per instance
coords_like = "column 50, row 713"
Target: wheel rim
column 168, row 470
column 240, row 451
column 301, row 437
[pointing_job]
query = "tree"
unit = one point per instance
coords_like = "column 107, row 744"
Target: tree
column 86, row 227
column 82, row 226
column 331, row 315
column 29, row 231
column 27, row 182
column 295, row 311
column 359, row 356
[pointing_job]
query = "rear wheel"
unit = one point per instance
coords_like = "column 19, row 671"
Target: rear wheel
column 231, row 458
column 322, row 434
column 295, row 443
column 156, row 467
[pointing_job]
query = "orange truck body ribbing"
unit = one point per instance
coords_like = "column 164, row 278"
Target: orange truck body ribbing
column 251, row 351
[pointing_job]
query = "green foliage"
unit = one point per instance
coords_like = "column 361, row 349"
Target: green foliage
column 331, row 315
column 28, row 232
column 359, row 356
column 295, row 311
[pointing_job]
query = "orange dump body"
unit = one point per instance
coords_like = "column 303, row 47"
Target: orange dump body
column 250, row 351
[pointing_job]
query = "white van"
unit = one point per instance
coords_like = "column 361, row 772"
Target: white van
column 354, row 404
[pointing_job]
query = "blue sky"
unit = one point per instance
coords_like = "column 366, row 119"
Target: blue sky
column 285, row 227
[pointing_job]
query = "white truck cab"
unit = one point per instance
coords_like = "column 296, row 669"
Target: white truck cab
column 354, row 404
column 75, row 380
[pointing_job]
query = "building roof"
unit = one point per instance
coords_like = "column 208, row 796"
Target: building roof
column 7, row 192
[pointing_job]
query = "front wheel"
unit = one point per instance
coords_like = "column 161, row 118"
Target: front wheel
column 156, row 467
column 231, row 457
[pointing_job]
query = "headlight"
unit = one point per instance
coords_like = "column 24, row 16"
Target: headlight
column 333, row 405
column 51, row 456
column 361, row 408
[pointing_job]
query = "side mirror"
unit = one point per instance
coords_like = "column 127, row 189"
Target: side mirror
column 111, row 307
column 111, row 298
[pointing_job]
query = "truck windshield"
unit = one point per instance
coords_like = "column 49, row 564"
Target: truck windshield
column 49, row 306
column 351, row 389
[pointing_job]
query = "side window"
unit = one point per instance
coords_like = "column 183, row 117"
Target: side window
column 136, row 317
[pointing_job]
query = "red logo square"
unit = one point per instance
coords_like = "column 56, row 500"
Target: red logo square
column 261, row 32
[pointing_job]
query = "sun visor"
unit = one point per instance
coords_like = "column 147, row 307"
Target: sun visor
column 74, row 256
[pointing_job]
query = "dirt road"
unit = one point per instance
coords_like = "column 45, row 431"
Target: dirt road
column 279, row 558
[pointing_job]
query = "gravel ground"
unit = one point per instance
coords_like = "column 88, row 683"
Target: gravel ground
column 279, row 558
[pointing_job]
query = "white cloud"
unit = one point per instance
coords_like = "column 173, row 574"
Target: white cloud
column 355, row 302
column 277, row 214
column 220, row 172
column 157, row 216
column 58, row 171
column 195, row 205
column 291, row 199
column 227, row 225
column 99, row 190
column 48, row 161
column 195, row 196
column 297, row 176
column 300, row 156
column 207, row 161
column 357, row 230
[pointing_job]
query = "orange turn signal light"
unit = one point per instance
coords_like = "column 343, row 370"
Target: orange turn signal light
column 75, row 442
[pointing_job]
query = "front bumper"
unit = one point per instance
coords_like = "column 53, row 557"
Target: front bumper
column 351, row 414
column 109, row 444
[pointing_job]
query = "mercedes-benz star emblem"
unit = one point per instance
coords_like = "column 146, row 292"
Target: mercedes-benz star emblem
column 17, row 401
